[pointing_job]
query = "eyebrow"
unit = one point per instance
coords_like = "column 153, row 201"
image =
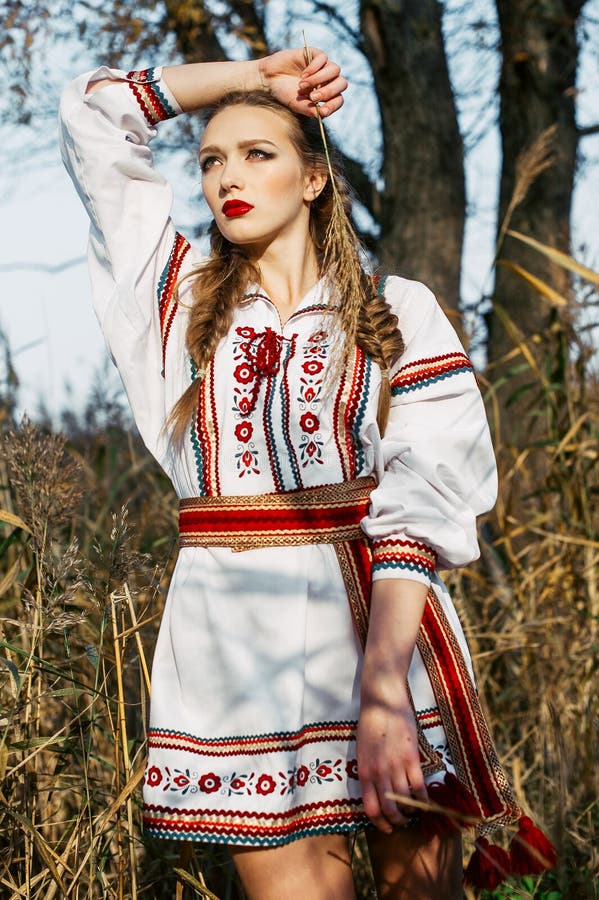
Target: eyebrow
column 213, row 148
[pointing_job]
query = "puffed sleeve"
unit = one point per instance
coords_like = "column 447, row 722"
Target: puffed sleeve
column 134, row 252
column 437, row 460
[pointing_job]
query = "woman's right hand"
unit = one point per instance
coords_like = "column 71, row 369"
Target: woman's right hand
column 312, row 89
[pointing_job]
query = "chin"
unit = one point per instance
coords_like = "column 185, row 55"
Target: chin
column 245, row 236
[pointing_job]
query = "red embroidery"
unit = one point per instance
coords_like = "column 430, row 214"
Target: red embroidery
column 209, row 783
column 318, row 772
column 244, row 374
column 154, row 777
column 309, row 423
column 301, row 776
column 265, row 785
column 351, row 768
column 312, row 367
column 315, row 352
column 423, row 372
column 244, row 431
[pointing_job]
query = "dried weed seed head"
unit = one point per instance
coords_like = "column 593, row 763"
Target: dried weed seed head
column 65, row 587
column 45, row 481
column 117, row 561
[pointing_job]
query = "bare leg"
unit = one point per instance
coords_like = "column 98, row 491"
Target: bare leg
column 407, row 866
column 315, row 867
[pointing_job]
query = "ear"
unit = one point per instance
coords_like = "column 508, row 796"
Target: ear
column 314, row 183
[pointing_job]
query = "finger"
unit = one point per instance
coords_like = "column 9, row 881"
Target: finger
column 417, row 783
column 327, row 73
column 372, row 808
column 326, row 109
column 318, row 60
column 325, row 92
column 399, row 787
column 397, row 816
column 306, row 108
column 331, row 107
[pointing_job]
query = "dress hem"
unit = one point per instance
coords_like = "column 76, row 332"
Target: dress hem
column 238, row 841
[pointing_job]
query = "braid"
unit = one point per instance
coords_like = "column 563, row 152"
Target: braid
column 377, row 335
column 219, row 285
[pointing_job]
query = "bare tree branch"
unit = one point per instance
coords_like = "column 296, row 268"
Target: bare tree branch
column 335, row 18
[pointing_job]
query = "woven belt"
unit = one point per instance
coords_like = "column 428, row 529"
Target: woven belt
column 328, row 514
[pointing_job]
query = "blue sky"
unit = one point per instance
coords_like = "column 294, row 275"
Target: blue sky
column 54, row 338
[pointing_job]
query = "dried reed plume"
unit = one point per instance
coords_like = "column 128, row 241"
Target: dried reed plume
column 532, row 161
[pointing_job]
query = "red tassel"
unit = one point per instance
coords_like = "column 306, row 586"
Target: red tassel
column 531, row 852
column 489, row 865
column 451, row 794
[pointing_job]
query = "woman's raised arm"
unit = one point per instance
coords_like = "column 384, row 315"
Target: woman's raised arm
column 286, row 74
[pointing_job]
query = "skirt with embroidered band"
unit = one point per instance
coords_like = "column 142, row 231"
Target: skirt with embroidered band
column 256, row 677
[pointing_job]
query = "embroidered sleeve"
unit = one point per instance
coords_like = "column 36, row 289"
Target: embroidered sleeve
column 166, row 297
column 439, row 467
column 153, row 96
column 135, row 253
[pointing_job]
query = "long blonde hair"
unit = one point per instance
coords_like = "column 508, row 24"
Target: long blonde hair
column 220, row 283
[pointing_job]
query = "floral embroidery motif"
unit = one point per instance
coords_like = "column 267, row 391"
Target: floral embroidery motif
column 244, row 431
column 244, row 374
column 315, row 352
column 265, row 785
column 209, row 783
column 443, row 750
column 154, row 776
column 317, row 772
column 177, row 780
column 351, row 768
column 258, row 356
column 302, row 775
column 309, row 423
column 247, row 461
column 244, row 398
column 326, row 771
column 312, row 367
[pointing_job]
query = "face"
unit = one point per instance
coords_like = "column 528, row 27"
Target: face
column 253, row 178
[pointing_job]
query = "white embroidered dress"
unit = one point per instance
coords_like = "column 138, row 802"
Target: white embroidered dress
column 256, row 673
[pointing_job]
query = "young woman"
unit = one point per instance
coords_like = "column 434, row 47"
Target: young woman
column 329, row 447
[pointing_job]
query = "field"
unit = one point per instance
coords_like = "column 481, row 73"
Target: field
column 87, row 538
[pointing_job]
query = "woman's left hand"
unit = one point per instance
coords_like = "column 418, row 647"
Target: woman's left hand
column 312, row 89
column 388, row 756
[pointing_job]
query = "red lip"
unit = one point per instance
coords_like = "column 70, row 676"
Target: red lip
column 234, row 208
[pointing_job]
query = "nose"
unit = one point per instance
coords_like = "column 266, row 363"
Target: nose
column 231, row 176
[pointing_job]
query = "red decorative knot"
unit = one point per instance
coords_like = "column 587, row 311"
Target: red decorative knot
column 263, row 359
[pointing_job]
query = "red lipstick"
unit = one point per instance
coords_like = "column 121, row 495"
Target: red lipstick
column 234, row 208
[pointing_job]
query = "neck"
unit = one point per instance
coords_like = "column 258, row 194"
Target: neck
column 288, row 270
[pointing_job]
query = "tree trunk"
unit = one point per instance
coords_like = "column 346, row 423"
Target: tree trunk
column 423, row 207
column 537, row 91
